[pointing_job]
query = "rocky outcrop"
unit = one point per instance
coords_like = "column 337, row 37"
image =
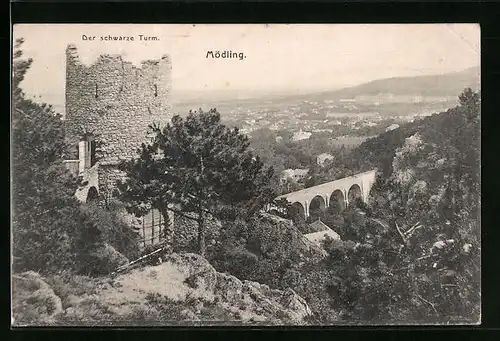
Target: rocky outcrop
column 103, row 260
column 185, row 288
column 34, row 300
column 304, row 247
column 257, row 302
column 228, row 287
column 190, row 276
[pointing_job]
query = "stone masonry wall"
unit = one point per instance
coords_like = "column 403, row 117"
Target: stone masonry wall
column 116, row 101
column 108, row 175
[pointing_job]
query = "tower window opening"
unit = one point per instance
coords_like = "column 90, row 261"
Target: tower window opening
column 92, row 149
column 156, row 91
column 87, row 152
column 96, row 91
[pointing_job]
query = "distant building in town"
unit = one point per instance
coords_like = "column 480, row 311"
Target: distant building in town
column 322, row 158
column 392, row 127
column 295, row 174
column 322, row 232
column 301, row 135
column 245, row 131
column 318, row 226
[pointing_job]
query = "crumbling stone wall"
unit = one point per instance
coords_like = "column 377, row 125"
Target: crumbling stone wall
column 116, row 101
column 108, row 175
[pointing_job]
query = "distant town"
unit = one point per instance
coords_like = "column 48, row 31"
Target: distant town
column 349, row 120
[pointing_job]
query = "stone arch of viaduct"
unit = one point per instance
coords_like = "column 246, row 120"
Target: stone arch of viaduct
column 342, row 191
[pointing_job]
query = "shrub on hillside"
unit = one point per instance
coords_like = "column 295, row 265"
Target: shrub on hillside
column 112, row 228
column 101, row 260
column 44, row 225
column 44, row 209
column 186, row 233
column 67, row 237
column 259, row 249
column 314, row 281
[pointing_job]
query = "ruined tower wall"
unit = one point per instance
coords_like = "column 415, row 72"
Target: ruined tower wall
column 116, row 101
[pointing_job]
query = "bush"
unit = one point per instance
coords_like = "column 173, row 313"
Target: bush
column 260, row 249
column 314, row 281
column 102, row 260
column 112, row 228
column 69, row 286
column 236, row 260
column 186, row 234
column 72, row 238
column 44, row 232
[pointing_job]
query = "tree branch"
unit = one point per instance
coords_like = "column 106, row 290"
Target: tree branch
column 383, row 224
column 412, row 229
column 428, row 302
column 123, row 267
column 423, row 257
column 400, row 233
column 204, row 210
column 20, row 111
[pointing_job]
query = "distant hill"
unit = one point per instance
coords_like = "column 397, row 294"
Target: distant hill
column 448, row 85
column 445, row 85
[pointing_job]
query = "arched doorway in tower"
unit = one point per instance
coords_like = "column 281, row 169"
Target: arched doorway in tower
column 337, row 202
column 354, row 195
column 92, row 195
column 298, row 211
column 316, row 208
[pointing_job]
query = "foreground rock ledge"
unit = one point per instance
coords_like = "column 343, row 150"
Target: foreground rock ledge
column 188, row 280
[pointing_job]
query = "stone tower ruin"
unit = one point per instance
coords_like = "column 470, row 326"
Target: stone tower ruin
column 109, row 107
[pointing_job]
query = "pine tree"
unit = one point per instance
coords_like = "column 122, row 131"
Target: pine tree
column 44, row 208
column 197, row 167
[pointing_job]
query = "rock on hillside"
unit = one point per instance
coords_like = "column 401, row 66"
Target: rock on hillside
column 184, row 289
column 33, row 300
column 303, row 246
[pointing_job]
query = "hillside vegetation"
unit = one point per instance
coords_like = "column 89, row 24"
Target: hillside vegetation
column 418, row 257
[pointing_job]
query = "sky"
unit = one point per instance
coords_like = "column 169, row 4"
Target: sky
column 279, row 58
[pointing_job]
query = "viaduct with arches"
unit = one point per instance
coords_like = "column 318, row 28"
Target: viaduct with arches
column 342, row 192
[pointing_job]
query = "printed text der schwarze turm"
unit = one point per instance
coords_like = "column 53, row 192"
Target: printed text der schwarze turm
column 109, row 37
